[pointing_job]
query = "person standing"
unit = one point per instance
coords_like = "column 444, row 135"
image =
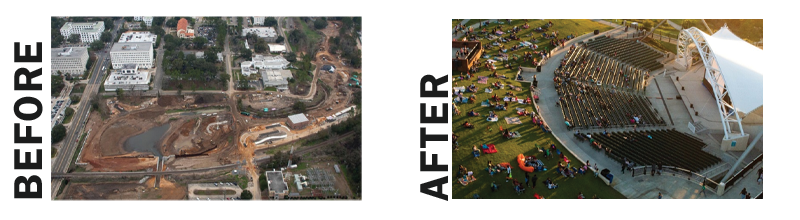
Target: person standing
column 625, row 165
column 526, row 178
column 748, row 196
column 744, row 192
column 533, row 181
column 659, row 195
column 760, row 175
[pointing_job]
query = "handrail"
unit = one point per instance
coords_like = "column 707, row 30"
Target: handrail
column 678, row 172
column 729, row 184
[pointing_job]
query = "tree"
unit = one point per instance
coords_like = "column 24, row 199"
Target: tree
column 247, row 195
column 56, row 39
column 58, row 133
column 270, row 21
column 210, row 56
column 291, row 57
column 158, row 21
column 347, row 23
column 74, row 38
column 105, row 37
column 68, row 112
column 279, row 40
column 299, row 106
column 157, row 29
column 75, row 98
column 320, row 23
column 687, row 23
column 56, row 85
column 199, row 42
column 120, row 94
column 128, row 19
column 245, row 54
column 96, row 45
column 260, row 46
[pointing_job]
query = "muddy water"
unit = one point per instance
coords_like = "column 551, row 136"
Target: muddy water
column 147, row 141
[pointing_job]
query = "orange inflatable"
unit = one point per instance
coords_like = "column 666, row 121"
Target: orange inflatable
column 504, row 164
column 521, row 162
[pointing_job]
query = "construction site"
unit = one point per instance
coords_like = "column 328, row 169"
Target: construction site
column 154, row 145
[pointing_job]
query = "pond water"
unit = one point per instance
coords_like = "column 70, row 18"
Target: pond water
column 146, row 142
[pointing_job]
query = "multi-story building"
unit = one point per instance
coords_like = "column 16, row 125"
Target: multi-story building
column 258, row 20
column 276, row 78
column 127, row 78
column 268, row 33
column 137, row 36
column 183, row 30
column 148, row 20
column 139, row 53
column 262, row 62
column 89, row 31
column 70, row 60
column 137, row 18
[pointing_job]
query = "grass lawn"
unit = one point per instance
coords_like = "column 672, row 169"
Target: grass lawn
column 308, row 29
column 455, row 23
column 564, row 27
column 474, row 21
column 53, row 152
column 67, row 118
column 751, row 30
column 508, row 149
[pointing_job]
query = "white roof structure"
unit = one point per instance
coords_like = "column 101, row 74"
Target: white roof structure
column 741, row 66
column 298, row 118
column 137, row 36
column 262, row 32
column 276, row 48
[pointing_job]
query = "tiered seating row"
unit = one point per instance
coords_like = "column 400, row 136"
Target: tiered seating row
column 627, row 51
column 589, row 106
column 588, row 66
column 670, row 147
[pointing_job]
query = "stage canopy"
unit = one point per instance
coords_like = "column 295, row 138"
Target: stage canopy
column 741, row 65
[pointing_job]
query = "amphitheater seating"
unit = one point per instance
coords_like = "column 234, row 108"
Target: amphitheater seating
column 671, row 147
column 582, row 107
column 627, row 51
column 583, row 65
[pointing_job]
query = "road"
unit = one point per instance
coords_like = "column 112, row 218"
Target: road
column 63, row 157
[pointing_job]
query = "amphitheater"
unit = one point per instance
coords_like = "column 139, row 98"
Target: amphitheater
column 698, row 111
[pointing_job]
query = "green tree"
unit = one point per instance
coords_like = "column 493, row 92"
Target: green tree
column 157, row 29
column 68, row 112
column 199, row 42
column 687, row 23
column 106, row 36
column 279, row 40
column 58, row 133
column 260, row 46
column 56, row 85
column 96, row 45
column 75, row 98
column 158, row 21
column 320, row 23
column 247, row 195
column 299, row 106
column 120, row 94
column 245, row 54
column 74, row 38
column 270, row 21
column 291, row 57
column 128, row 19
column 210, row 56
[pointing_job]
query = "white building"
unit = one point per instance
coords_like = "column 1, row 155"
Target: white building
column 268, row 33
column 57, row 112
column 262, row 62
column 246, row 45
column 219, row 57
column 137, row 18
column 139, row 53
column 89, row 31
column 276, row 48
column 127, row 78
column 148, row 20
column 276, row 78
column 137, row 36
column 70, row 60
column 258, row 20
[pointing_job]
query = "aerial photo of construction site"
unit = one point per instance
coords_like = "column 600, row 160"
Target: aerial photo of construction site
column 206, row 108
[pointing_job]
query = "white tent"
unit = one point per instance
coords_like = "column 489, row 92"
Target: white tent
column 741, row 65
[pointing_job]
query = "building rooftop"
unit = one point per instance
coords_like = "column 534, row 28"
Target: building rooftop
column 68, row 52
column 276, row 182
column 138, row 36
column 132, row 46
column 128, row 77
column 260, row 31
column 96, row 26
column 276, row 47
column 275, row 77
column 298, row 118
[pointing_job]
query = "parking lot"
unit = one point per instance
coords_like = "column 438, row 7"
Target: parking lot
column 209, row 33
column 219, row 186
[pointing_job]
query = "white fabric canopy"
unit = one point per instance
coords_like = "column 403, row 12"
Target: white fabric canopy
column 741, row 66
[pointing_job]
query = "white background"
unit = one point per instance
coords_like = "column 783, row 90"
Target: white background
column 403, row 41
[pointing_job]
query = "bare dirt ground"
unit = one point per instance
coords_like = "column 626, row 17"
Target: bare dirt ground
column 124, row 191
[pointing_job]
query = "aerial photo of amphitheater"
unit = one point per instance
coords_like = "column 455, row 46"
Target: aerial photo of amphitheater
column 607, row 108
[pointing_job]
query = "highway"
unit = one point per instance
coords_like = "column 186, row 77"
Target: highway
column 64, row 156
